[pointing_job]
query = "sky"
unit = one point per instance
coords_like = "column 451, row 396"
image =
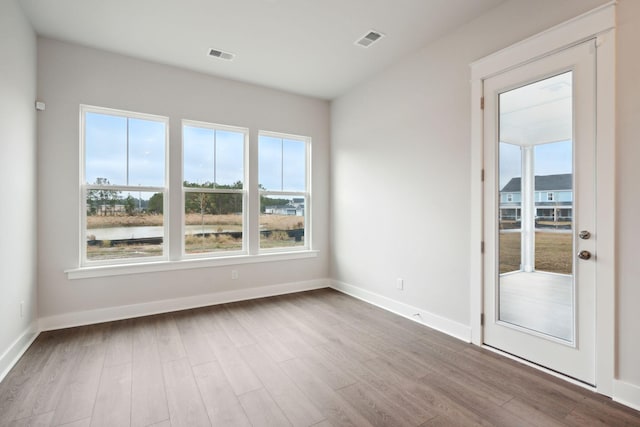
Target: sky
column 213, row 156
column 549, row 159
column 209, row 155
column 106, row 150
column 537, row 113
column 281, row 164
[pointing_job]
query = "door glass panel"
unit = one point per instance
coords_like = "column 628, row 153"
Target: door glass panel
column 535, row 212
column 510, row 210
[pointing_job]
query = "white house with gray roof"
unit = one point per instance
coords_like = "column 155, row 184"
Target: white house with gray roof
column 553, row 197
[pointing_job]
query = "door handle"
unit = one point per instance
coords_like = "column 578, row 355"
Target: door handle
column 584, row 255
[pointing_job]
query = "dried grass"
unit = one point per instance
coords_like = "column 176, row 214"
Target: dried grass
column 554, row 252
column 99, row 221
column 194, row 243
column 267, row 222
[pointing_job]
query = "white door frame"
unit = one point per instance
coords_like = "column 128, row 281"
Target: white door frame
column 597, row 24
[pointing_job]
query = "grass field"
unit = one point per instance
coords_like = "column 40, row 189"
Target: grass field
column 554, row 252
column 103, row 252
column 267, row 222
column 193, row 243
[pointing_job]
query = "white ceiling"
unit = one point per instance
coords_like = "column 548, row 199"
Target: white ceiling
column 539, row 112
column 301, row 46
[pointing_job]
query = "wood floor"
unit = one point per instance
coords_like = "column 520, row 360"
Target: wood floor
column 312, row 359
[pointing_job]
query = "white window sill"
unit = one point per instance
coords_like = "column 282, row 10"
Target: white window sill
column 187, row 264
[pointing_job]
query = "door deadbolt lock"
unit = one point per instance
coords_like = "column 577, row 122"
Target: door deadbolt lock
column 584, row 235
column 584, row 255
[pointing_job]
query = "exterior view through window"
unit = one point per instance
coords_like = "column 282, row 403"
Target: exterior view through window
column 213, row 188
column 125, row 187
column 284, row 193
column 536, row 216
column 123, row 181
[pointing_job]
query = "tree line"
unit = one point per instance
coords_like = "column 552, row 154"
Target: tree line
column 111, row 202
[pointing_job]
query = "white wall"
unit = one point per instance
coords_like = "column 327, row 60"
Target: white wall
column 628, row 202
column 400, row 148
column 400, row 172
column 17, row 181
column 69, row 75
column 400, row 164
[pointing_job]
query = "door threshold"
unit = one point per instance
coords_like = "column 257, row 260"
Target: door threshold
column 544, row 369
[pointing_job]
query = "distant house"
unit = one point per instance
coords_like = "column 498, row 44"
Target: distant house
column 107, row 209
column 294, row 208
column 553, row 198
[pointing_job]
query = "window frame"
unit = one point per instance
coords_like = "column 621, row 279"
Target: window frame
column 244, row 191
column 308, row 238
column 85, row 188
column 173, row 257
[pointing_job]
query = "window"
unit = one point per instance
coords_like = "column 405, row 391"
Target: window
column 284, row 191
column 509, row 197
column 213, row 185
column 549, row 197
column 126, row 214
column 123, row 185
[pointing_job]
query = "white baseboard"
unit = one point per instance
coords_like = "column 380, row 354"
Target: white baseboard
column 627, row 394
column 623, row 392
column 11, row 356
column 434, row 321
column 89, row 317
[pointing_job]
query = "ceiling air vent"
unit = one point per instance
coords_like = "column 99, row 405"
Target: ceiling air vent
column 370, row 38
column 221, row 54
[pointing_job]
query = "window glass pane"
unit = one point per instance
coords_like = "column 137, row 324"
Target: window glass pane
column 146, row 153
column 270, row 163
column 105, row 149
column 198, row 155
column 294, row 165
column 229, row 159
column 213, row 222
column 536, row 165
column 510, row 207
column 123, row 224
column 213, row 158
column 553, row 164
column 281, row 221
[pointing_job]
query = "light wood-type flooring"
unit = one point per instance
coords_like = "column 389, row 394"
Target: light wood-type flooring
column 539, row 301
column 317, row 358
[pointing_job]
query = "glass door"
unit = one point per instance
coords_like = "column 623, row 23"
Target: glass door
column 535, row 212
column 539, row 208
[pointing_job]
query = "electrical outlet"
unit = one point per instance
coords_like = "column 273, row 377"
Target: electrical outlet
column 399, row 284
column 234, row 274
